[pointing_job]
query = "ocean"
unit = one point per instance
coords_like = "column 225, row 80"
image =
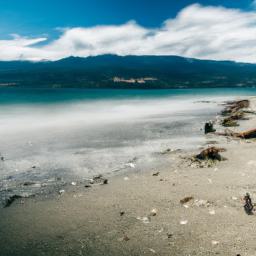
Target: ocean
column 69, row 134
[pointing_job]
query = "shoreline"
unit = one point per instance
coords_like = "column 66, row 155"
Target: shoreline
column 139, row 213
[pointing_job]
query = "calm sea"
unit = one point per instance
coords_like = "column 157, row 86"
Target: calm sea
column 78, row 133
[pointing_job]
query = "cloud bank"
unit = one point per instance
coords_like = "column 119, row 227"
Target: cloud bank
column 203, row 32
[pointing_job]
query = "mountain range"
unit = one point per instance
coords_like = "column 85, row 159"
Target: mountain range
column 112, row 71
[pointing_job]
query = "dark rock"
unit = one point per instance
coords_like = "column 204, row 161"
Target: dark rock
column 186, row 199
column 208, row 128
column 29, row 183
column 211, row 153
column 169, row 235
column 248, row 206
column 105, row 182
column 10, row 200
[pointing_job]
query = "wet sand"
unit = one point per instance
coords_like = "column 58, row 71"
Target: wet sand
column 117, row 218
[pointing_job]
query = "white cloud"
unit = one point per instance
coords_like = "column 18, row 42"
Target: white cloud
column 201, row 32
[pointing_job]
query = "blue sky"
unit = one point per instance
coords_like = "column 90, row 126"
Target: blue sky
column 50, row 29
column 38, row 17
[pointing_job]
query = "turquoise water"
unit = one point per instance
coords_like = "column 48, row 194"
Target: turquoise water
column 25, row 96
column 74, row 134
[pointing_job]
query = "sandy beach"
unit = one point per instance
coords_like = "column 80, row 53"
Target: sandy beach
column 140, row 213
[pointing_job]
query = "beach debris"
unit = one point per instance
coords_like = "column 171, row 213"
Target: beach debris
column 234, row 106
column 250, row 134
column 62, row 191
column 122, row 213
column 214, row 242
column 131, row 165
column 169, row 150
column 212, row 212
column 8, row 201
column 235, row 111
column 145, row 219
column 152, row 250
column 153, row 212
column 208, row 127
column 2, row 158
column 124, row 238
column 29, row 183
column 73, row 183
column 87, row 186
column 155, row 173
column 169, row 235
column 234, row 198
column 126, row 178
column 105, row 182
column 248, row 206
column 186, row 199
column 183, row 222
column 211, row 153
column 160, row 230
column 206, row 158
column 202, row 203
column 99, row 179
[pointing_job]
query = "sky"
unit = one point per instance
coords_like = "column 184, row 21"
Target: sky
column 53, row 29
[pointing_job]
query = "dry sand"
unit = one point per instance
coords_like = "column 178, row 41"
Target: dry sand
column 116, row 219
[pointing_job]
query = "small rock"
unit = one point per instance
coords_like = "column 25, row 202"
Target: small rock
column 126, row 238
column 29, row 183
column 153, row 212
column 87, row 186
column 105, row 182
column 186, row 199
column 62, row 191
column 169, row 235
column 122, row 213
column 155, row 173
column 214, row 242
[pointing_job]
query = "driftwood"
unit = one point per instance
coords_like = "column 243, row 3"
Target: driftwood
column 250, row 134
column 211, row 153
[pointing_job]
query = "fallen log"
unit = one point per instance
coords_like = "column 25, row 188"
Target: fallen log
column 250, row 134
